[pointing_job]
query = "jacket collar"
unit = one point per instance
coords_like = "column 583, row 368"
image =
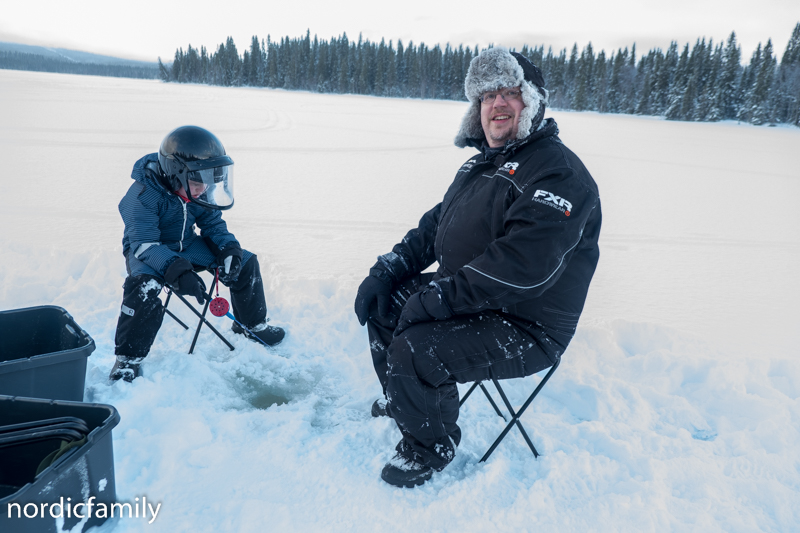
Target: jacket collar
column 549, row 128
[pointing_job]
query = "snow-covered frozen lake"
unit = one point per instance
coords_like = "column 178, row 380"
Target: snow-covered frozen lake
column 676, row 407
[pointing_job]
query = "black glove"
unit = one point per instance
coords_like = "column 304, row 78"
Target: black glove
column 374, row 289
column 424, row 306
column 230, row 263
column 182, row 278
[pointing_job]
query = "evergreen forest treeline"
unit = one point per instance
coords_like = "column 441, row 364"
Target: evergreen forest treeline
column 40, row 63
column 704, row 82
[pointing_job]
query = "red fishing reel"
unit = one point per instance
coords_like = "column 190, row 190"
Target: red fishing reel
column 218, row 306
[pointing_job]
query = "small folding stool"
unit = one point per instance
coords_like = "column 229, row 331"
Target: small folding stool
column 514, row 415
column 201, row 316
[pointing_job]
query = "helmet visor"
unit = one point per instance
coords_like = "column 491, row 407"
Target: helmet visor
column 212, row 187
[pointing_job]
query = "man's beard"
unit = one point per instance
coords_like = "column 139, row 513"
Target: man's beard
column 504, row 137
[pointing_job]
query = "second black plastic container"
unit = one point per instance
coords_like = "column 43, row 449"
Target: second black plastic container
column 83, row 475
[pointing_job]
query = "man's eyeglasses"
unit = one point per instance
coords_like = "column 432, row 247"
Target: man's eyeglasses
column 507, row 94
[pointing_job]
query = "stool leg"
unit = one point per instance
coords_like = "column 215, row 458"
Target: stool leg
column 178, row 320
column 200, row 324
column 491, row 401
column 515, row 416
column 499, row 439
column 488, row 396
column 202, row 316
column 464, row 399
column 207, row 323
column 204, row 321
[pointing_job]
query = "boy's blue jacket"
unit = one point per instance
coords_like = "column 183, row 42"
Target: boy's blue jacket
column 160, row 226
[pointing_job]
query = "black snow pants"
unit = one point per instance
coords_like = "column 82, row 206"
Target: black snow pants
column 142, row 311
column 419, row 369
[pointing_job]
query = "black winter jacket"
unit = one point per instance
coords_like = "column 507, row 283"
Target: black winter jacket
column 516, row 234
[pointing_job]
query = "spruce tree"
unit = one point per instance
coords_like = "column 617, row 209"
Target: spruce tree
column 647, row 73
column 582, row 96
column 759, row 101
column 787, row 107
column 601, row 83
column 344, row 64
column 569, row 77
column 727, row 81
column 401, row 69
column 711, row 109
column 663, row 78
column 163, row 72
column 678, row 88
column 272, row 63
column 615, row 94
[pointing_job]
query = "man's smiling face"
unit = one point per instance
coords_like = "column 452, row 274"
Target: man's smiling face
column 500, row 115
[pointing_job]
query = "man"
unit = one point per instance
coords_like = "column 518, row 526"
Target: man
column 515, row 238
column 185, row 185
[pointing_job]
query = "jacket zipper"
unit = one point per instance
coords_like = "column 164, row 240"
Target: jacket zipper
column 183, row 231
column 450, row 209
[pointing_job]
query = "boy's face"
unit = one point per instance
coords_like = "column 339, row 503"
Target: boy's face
column 197, row 188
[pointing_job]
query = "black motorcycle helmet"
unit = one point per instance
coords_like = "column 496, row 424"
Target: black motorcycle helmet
column 194, row 159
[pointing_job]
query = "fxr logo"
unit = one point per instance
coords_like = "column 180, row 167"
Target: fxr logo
column 552, row 198
column 468, row 165
column 511, row 167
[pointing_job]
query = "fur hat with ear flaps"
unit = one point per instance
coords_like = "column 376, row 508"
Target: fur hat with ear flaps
column 494, row 69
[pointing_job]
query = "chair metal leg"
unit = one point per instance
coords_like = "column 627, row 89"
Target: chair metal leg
column 488, row 396
column 491, row 401
column 204, row 321
column 200, row 325
column 201, row 316
column 514, row 420
column 515, row 416
column 464, row 399
column 176, row 319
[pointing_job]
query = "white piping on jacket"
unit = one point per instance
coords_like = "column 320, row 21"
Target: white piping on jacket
column 497, row 174
column 538, row 284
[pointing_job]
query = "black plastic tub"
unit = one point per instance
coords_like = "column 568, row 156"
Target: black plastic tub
column 43, row 353
column 83, row 474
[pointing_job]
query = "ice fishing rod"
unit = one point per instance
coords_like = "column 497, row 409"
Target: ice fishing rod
column 219, row 306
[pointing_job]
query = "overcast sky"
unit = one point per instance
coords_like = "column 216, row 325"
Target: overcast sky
column 147, row 29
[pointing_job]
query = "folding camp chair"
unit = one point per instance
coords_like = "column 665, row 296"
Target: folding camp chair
column 201, row 316
column 514, row 415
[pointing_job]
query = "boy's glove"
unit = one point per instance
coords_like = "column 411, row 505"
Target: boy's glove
column 230, row 262
column 182, row 278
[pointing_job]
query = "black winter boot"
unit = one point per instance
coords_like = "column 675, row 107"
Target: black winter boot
column 379, row 408
column 126, row 368
column 409, row 469
column 406, row 473
column 271, row 335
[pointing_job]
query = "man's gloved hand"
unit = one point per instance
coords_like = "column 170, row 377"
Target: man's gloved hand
column 374, row 289
column 424, row 306
column 182, row 278
column 413, row 313
column 230, row 261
